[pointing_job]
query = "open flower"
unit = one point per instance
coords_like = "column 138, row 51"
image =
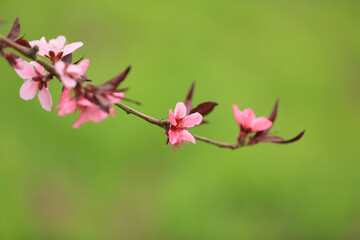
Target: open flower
column 35, row 79
column 68, row 73
column 248, row 122
column 179, row 123
column 89, row 110
column 56, row 49
column 94, row 102
column 265, row 136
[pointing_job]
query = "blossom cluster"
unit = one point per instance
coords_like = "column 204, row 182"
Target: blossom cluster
column 95, row 102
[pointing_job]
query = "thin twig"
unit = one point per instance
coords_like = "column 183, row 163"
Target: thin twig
column 129, row 110
column 217, row 143
column 31, row 53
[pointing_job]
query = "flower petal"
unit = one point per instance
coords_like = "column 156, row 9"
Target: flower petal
column 83, row 118
column 26, row 71
column 115, row 97
column 238, row 115
column 112, row 111
column 96, row 114
column 118, row 94
column 19, row 63
column 173, row 136
column 78, row 70
column 56, row 45
column 45, row 99
column 65, row 79
column 191, row 120
column 260, row 124
column 84, row 66
column 186, row 136
column 42, row 45
column 67, row 107
column 85, row 103
column 60, row 67
column 180, row 110
column 69, row 48
column 64, row 97
column 172, row 118
column 74, row 70
column 38, row 67
column 248, row 116
column 68, row 81
column 28, row 89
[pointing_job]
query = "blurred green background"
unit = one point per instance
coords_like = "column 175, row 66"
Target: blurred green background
column 118, row 180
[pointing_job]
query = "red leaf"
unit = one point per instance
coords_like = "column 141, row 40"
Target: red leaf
column 114, row 83
column 11, row 58
column 15, row 30
column 67, row 59
column 274, row 111
column 281, row 140
column 85, row 78
column 102, row 102
column 204, row 122
column 21, row 41
column 188, row 100
column 132, row 101
column 79, row 60
column 204, row 108
column 122, row 90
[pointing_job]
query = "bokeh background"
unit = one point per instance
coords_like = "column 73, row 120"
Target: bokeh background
column 118, row 180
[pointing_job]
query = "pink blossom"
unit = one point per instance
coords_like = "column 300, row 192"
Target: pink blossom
column 68, row 73
column 34, row 80
column 89, row 110
column 56, row 48
column 248, row 122
column 180, row 122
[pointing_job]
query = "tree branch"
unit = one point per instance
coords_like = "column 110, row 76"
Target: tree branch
column 166, row 124
column 31, row 54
